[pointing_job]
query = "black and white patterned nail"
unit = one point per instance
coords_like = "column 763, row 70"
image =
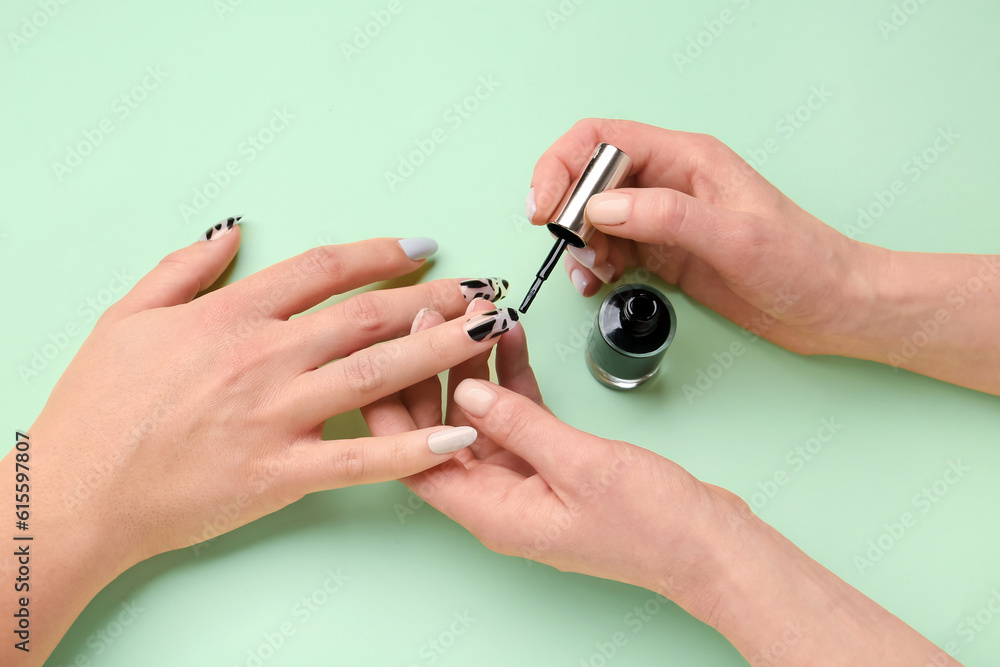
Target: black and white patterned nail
column 491, row 289
column 220, row 229
column 491, row 324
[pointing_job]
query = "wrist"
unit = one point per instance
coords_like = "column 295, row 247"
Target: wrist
column 776, row 605
column 855, row 328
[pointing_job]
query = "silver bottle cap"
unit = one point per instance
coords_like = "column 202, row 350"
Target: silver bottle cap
column 606, row 170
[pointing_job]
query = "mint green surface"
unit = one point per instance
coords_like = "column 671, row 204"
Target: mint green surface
column 223, row 75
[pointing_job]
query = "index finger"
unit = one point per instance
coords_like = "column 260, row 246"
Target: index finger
column 301, row 282
column 660, row 158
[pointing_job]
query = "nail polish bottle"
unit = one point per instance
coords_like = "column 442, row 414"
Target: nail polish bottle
column 631, row 333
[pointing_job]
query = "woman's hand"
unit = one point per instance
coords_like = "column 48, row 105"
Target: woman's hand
column 181, row 418
column 536, row 487
column 700, row 217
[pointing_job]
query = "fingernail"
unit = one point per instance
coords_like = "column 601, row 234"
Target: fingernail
column 585, row 256
column 418, row 247
column 609, row 208
column 529, row 204
column 450, row 440
column 487, row 326
column 580, row 281
column 491, row 289
column 475, row 397
column 415, row 327
column 604, row 272
column 220, row 229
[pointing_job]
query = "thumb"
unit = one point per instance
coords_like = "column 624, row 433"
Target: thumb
column 518, row 424
column 182, row 274
column 665, row 216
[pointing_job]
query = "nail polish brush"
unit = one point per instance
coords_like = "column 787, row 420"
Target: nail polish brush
column 606, row 170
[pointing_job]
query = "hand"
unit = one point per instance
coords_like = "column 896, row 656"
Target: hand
column 533, row 486
column 181, row 418
column 700, row 217
column 536, row 487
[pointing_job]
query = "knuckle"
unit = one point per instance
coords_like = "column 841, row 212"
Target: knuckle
column 363, row 372
column 325, row 261
column 349, row 464
column 513, row 422
column 442, row 296
column 365, row 312
column 438, row 347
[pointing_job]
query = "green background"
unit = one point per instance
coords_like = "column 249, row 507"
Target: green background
column 322, row 179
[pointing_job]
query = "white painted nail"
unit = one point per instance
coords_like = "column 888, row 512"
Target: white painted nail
column 418, row 319
column 604, row 272
column 580, row 281
column 585, row 256
column 529, row 204
column 418, row 247
column 451, row 440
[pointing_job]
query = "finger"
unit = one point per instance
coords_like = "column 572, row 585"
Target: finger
column 583, row 279
column 378, row 371
column 338, row 330
column 660, row 158
column 331, row 464
column 662, row 215
column 423, row 399
column 182, row 274
column 595, row 257
column 388, row 416
column 301, row 282
column 474, row 367
column 513, row 369
column 521, row 426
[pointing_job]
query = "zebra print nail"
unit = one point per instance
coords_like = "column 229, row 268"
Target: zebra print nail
column 492, row 324
column 219, row 230
column 491, row 289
